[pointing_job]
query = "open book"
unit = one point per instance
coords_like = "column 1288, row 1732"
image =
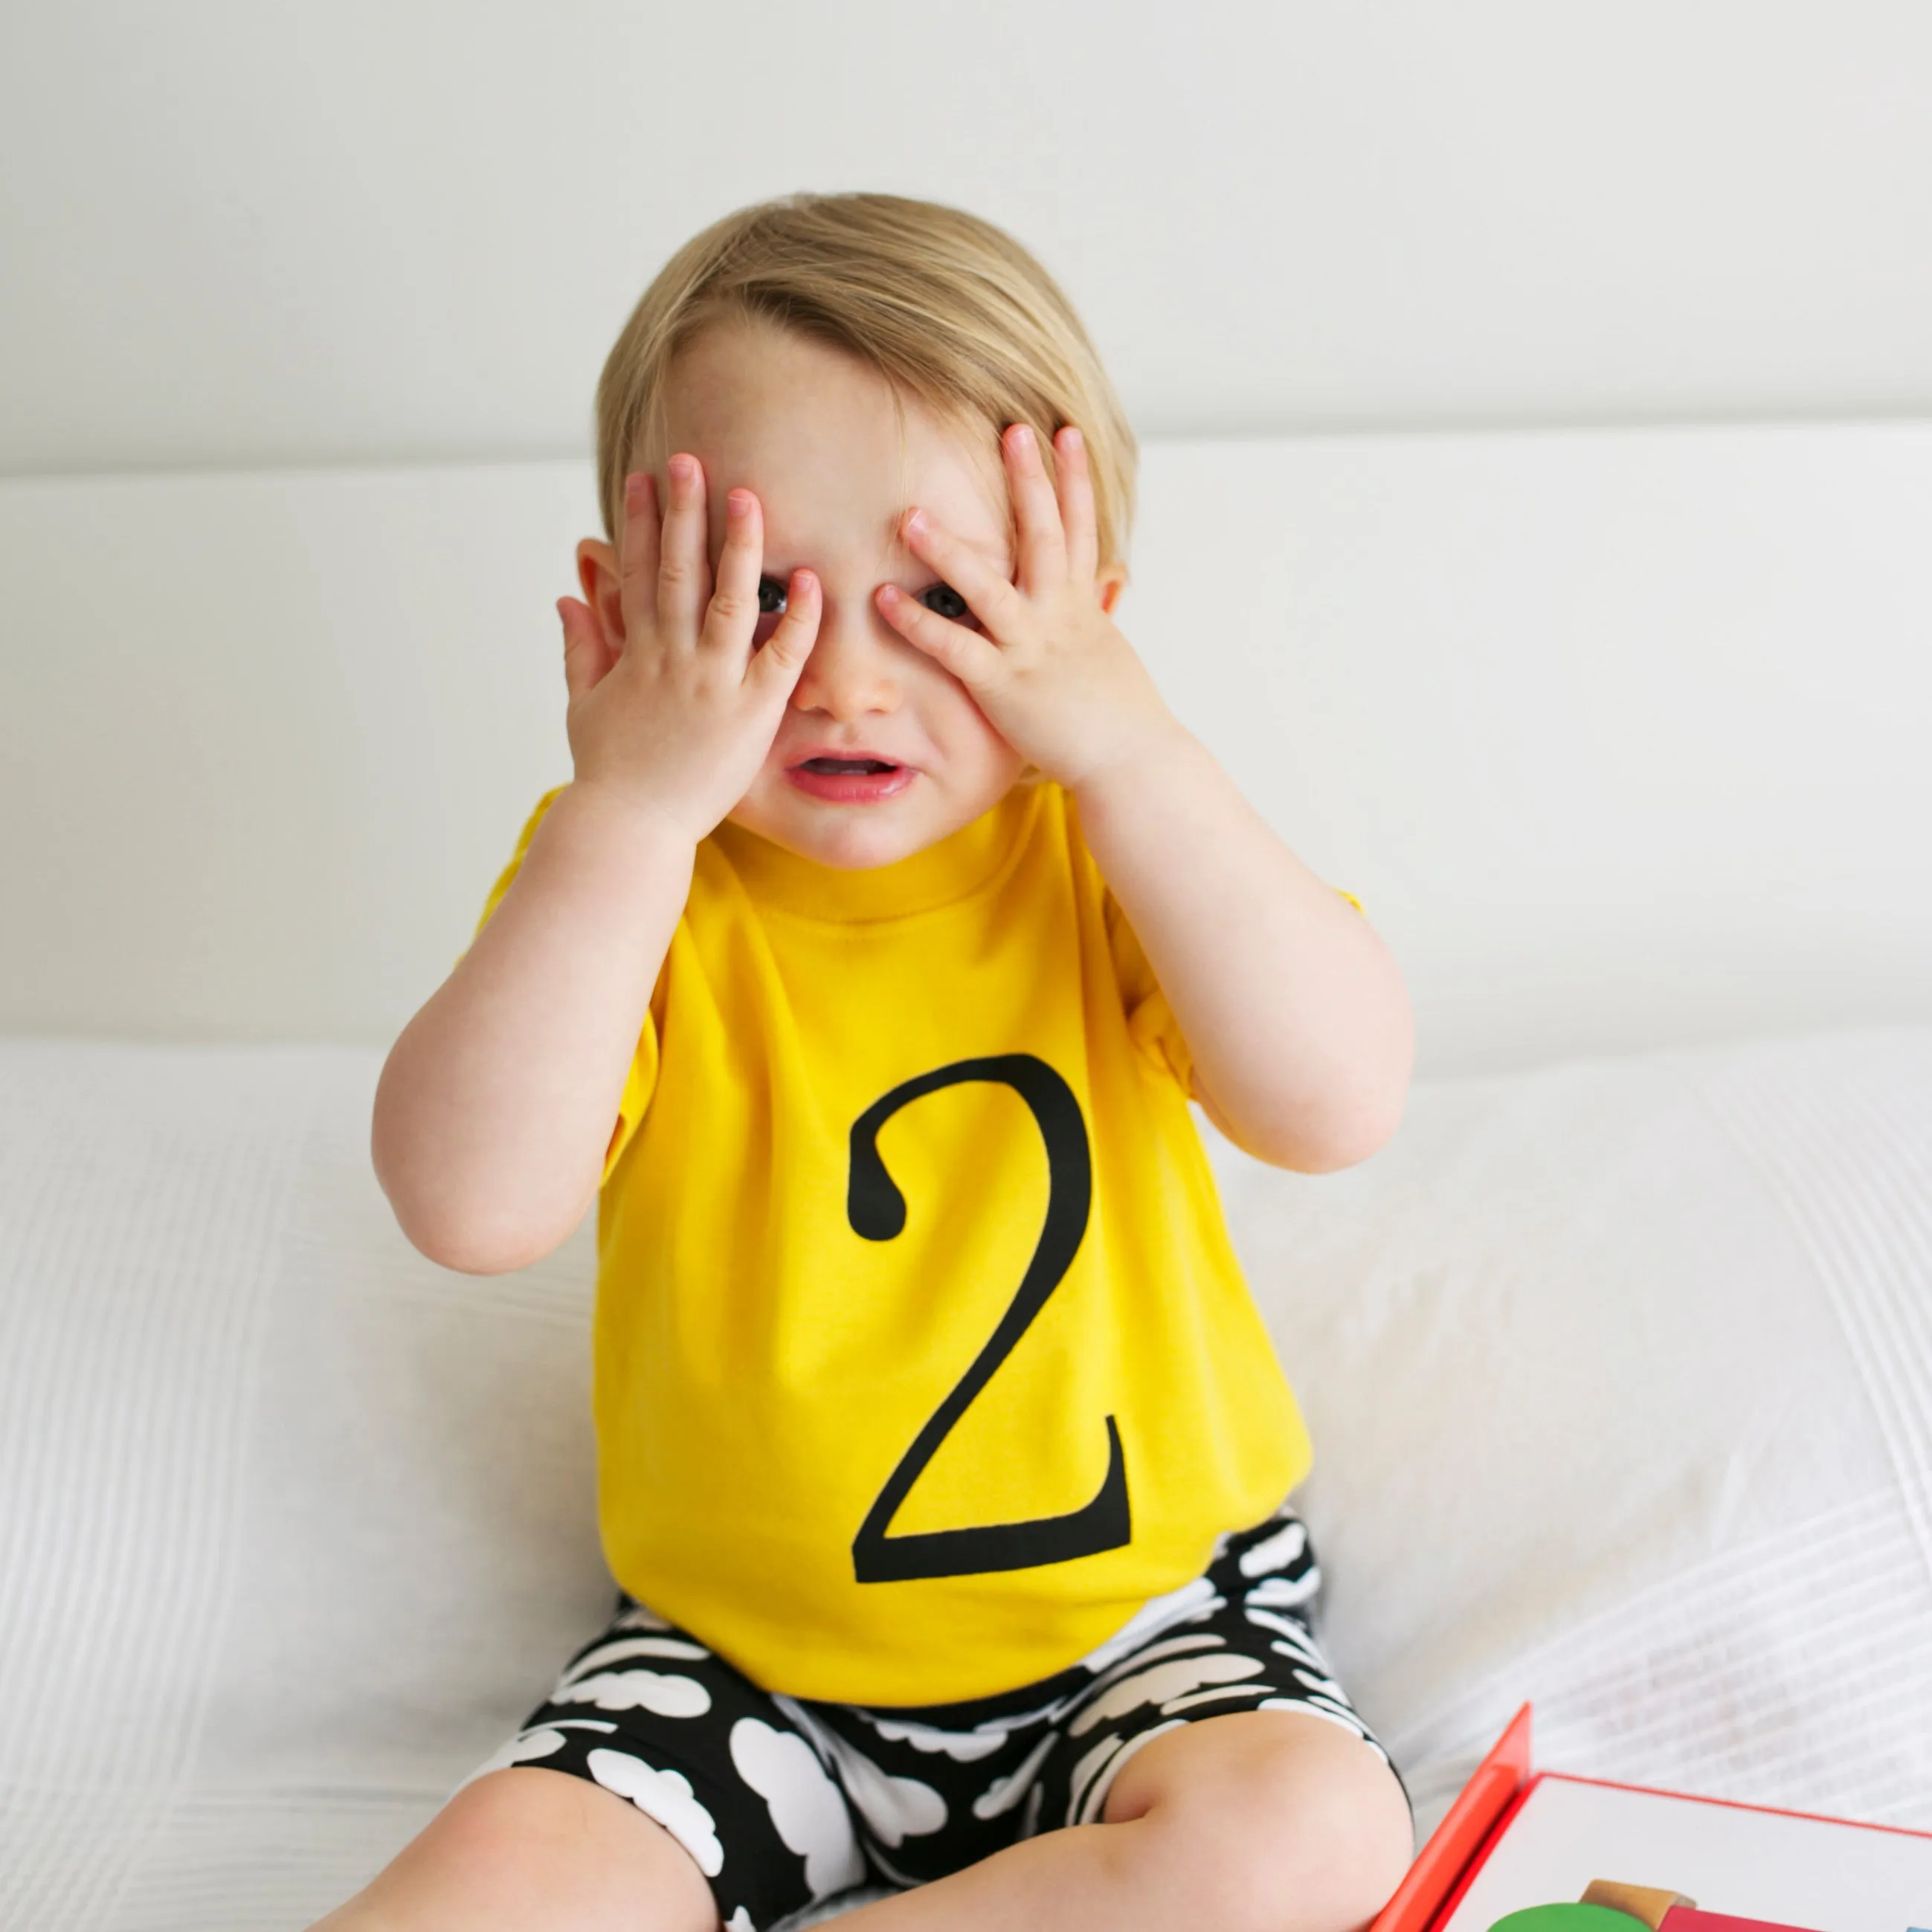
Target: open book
column 1574, row 1854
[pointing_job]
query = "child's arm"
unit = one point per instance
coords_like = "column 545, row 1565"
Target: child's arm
column 497, row 1101
column 1294, row 1012
column 495, row 1105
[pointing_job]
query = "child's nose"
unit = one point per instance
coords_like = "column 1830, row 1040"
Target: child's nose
column 849, row 672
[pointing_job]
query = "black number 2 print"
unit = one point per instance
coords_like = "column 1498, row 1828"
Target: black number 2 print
column 877, row 1209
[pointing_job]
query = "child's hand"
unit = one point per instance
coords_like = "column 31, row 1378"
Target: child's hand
column 676, row 711
column 1050, row 669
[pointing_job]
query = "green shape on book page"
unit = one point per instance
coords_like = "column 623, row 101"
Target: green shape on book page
column 1569, row 1919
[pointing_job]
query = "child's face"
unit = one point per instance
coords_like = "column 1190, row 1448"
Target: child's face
column 815, row 435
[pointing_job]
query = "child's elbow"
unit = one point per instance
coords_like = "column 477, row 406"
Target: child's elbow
column 1363, row 1106
column 473, row 1244
column 1345, row 1142
column 1319, row 1141
column 471, row 1234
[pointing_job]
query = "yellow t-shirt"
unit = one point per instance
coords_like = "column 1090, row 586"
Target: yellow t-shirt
column 921, row 1359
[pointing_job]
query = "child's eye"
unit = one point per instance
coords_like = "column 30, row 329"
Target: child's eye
column 771, row 596
column 942, row 601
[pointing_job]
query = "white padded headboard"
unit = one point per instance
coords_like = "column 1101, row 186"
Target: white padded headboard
column 1621, row 734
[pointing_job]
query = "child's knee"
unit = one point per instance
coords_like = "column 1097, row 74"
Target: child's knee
column 577, row 1854
column 1276, row 1823
column 1328, row 1848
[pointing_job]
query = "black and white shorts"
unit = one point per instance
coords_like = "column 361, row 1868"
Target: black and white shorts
column 782, row 1802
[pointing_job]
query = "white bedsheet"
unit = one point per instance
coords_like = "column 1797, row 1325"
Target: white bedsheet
column 1618, row 1374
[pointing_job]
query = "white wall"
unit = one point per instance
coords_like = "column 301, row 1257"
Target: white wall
column 258, row 231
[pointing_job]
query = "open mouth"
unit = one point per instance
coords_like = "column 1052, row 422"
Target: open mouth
column 860, row 780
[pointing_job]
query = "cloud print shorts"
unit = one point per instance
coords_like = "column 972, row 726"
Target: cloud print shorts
column 782, row 1802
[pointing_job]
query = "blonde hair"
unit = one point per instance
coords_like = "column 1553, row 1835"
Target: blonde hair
column 945, row 307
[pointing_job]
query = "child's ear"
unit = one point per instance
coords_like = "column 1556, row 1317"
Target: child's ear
column 603, row 588
column 1111, row 581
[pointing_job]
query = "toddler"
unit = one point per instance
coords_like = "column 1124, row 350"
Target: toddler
column 865, row 971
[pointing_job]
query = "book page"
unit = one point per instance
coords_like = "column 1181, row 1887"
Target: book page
column 1826, row 1877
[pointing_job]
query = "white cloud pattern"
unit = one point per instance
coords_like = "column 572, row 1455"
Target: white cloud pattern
column 1322, row 1687
column 1003, row 1793
column 896, row 1808
column 1162, row 1684
column 1172, row 1646
column 1030, row 1817
column 1276, row 1552
column 1297, row 1634
column 807, row 1812
column 1285, row 1593
column 667, row 1796
column 664, row 1697
column 674, row 1649
column 1224, row 1693
column 962, row 1747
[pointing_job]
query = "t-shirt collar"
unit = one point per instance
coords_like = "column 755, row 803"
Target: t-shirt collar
column 955, row 867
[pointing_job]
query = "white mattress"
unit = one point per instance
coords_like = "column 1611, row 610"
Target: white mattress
column 1618, row 1374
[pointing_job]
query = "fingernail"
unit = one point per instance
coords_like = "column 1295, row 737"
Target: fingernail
column 888, row 593
column 633, row 484
column 1022, row 436
column 738, row 503
column 682, row 468
column 1074, row 439
column 916, row 521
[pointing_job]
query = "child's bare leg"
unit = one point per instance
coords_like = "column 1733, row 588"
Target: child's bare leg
column 1263, row 1821
column 531, row 1850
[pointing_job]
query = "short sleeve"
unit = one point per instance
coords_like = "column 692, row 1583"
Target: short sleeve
column 1151, row 1024
column 507, row 875
column 639, row 1083
column 641, row 1079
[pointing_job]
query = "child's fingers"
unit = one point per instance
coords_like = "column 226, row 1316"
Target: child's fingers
column 638, row 553
column 974, row 660
column 1043, row 545
column 733, row 612
column 777, row 667
column 1076, row 504
column 683, row 570
column 586, row 656
column 989, row 596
